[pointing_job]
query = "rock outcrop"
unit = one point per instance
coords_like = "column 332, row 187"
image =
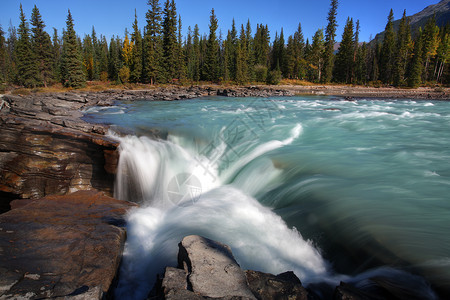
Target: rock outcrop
column 208, row 270
column 62, row 246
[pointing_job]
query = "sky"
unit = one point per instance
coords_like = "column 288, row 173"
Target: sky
column 111, row 17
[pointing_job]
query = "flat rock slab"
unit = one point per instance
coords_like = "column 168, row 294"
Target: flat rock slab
column 211, row 268
column 62, row 246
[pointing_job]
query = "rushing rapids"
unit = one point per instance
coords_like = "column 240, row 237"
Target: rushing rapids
column 317, row 185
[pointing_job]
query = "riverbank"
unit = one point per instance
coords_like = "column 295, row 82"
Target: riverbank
column 251, row 90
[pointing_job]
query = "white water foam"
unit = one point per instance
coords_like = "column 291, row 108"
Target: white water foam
column 259, row 238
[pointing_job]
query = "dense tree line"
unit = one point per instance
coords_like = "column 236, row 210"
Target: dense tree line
column 158, row 53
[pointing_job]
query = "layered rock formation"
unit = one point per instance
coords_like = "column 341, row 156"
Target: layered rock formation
column 61, row 246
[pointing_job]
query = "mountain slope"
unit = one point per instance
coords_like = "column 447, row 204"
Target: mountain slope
column 441, row 10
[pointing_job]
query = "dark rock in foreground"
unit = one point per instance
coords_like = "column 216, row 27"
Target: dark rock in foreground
column 62, row 246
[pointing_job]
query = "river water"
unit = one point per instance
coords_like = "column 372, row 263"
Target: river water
column 331, row 189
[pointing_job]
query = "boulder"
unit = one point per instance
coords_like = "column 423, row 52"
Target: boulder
column 283, row 286
column 62, row 246
column 211, row 268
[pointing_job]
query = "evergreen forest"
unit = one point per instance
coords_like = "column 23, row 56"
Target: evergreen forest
column 157, row 53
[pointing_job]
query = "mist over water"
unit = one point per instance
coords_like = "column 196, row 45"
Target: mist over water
column 316, row 185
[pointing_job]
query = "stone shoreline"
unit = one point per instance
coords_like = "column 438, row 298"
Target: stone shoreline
column 46, row 149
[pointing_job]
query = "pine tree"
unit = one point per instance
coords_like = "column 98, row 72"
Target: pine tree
column 402, row 51
column 27, row 68
column 152, row 48
column 136, row 52
column 211, row 64
column 330, row 35
column 388, row 51
column 416, row 69
column 72, row 66
column 343, row 67
column 42, row 47
column 170, row 45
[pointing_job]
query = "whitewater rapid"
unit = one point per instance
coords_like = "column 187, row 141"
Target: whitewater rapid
column 316, row 184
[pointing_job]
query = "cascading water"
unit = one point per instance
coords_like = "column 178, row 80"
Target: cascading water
column 260, row 239
column 286, row 182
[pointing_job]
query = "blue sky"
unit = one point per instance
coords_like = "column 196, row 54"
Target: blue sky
column 111, row 17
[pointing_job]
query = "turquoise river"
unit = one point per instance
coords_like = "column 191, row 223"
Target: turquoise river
column 333, row 190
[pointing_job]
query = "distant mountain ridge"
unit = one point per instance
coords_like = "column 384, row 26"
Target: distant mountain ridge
column 441, row 10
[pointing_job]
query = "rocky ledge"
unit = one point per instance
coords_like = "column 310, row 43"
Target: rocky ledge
column 61, row 246
column 207, row 270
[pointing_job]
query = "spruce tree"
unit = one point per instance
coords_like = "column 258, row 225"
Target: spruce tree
column 88, row 57
column 261, row 47
column 3, row 62
column 196, row 54
column 152, row 48
column 211, row 63
column 56, row 53
column 361, row 69
column 170, row 44
column 343, row 67
column 290, row 58
column 299, row 45
column 181, row 65
column 315, row 57
column 114, row 63
column 42, row 47
column 95, row 46
column 136, row 52
column 402, row 51
column 230, row 52
column 388, row 51
column 443, row 56
column 11, row 59
column 72, row 67
column 416, row 69
column 330, row 35
column 430, row 41
column 27, row 68
column 102, row 57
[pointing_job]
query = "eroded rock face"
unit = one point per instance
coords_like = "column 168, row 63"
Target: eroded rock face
column 46, row 149
column 62, row 246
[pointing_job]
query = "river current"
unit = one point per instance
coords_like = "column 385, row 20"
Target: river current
column 330, row 189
